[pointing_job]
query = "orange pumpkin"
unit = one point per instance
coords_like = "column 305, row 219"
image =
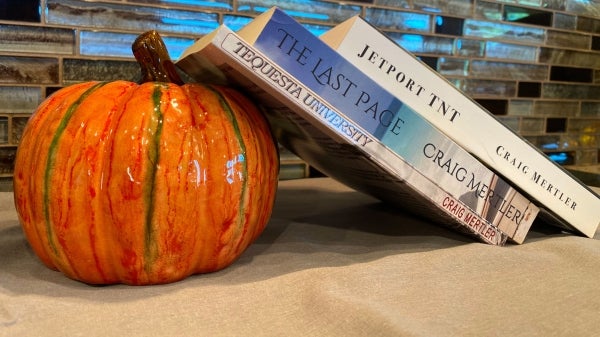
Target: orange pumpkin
column 118, row 182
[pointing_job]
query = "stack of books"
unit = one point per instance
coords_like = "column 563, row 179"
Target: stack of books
column 364, row 111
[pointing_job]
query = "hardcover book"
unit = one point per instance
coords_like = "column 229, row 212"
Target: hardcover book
column 326, row 138
column 561, row 197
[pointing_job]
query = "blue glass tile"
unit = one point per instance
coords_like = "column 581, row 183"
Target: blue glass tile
column 395, row 3
column 329, row 12
column 495, row 30
column 196, row 4
column 95, row 43
column 236, row 22
column 135, row 18
column 461, row 7
column 421, row 44
column 392, row 19
column 499, row 50
column 316, row 29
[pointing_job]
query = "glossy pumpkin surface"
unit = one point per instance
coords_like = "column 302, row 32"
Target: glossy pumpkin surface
column 119, row 182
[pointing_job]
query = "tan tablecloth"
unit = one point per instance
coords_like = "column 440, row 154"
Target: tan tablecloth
column 332, row 262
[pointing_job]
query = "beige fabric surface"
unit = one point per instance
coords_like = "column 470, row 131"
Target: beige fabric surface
column 332, row 262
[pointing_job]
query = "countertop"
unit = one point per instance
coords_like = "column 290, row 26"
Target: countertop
column 331, row 262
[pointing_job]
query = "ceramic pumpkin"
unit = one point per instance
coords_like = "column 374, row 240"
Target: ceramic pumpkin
column 119, row 182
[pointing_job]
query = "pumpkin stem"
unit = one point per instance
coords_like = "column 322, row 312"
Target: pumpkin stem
column 151, row 53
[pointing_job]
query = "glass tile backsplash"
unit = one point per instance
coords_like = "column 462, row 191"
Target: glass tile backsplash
column 533, row 63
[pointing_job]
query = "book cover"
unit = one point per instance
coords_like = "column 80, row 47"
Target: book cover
column 389, row 120
column 568, row 201
column 353, row 158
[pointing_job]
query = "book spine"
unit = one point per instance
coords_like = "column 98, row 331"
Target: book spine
column 394, row 123
column 274, row 87
column 470, row 125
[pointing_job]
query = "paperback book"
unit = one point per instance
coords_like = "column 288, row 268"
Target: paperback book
column 387, row 119
column 326, row 138
column 562, row 198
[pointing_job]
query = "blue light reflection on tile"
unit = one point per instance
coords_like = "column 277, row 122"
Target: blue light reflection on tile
column 560, row 157
column 549, row 146
column 198, row 3
column 420, row 23
column 119, row 45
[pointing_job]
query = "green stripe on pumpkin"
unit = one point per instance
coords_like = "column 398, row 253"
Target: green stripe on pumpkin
column 242, row 145
column 58, row 133
column 150, row 245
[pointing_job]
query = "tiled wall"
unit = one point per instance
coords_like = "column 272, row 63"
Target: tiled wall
column 534, row 63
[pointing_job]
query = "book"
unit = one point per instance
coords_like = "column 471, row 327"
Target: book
column 562, row 198
column 352, row 156
column 386, row 118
